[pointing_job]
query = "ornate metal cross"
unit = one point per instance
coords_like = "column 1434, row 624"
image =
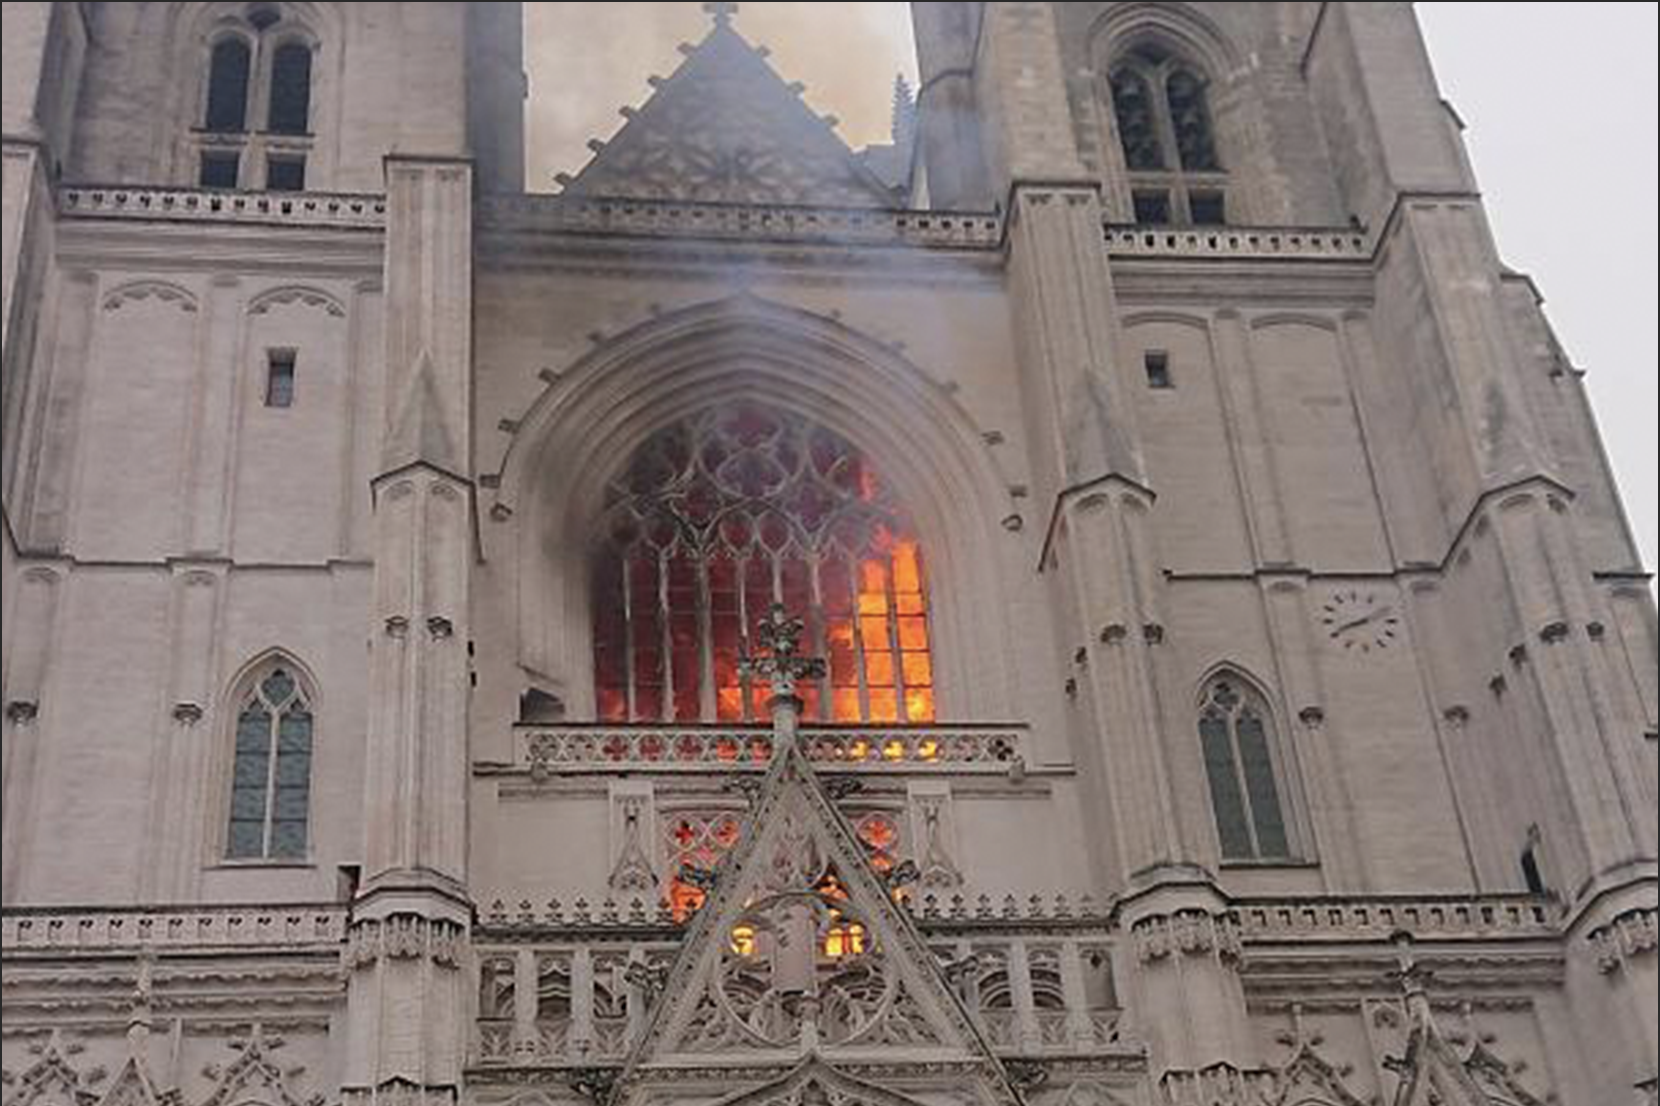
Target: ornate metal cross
column 723, row 13
column 781, row 663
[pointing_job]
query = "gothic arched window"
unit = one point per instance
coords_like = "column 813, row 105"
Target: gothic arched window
column 718, row 517
column 1165, row 128
column 227, row 96
column 271, row 771
column 290, row 106
column 1235, row 732
column 259, row 74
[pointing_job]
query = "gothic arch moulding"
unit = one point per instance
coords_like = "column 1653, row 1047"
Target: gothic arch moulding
column 1180, row 28
column 580, row 432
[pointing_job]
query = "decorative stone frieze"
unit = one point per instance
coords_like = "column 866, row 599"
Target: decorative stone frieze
column 1632, row 934
column 547, row 751
column 1188, row 933
column 405, row 937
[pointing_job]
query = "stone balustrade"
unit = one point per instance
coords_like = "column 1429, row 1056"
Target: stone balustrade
column 1220, row 243
column 742, row 222
column 545, row 750
column 331, row 210
column 27, row 930
column 1372, row 919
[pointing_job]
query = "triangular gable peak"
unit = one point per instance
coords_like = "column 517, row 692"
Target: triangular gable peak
column 725, row 128
column 800, row 956
column 1432, row 1073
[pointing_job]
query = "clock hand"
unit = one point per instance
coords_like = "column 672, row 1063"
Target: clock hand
column 1355, row 624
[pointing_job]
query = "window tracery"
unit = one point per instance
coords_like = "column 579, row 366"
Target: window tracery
column 1167, row 133
column 1236, row 739
column 259, row 68
column 271, row 771
column 720, row 516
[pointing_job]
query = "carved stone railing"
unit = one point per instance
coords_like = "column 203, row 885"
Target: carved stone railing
column 545, row 750
column 28, row 930
column 1372, row 919
column 752, row 222
column 1303, row 244
column 1026, row 991
column 336, row 210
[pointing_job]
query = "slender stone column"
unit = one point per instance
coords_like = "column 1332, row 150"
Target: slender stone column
column 407, row 1010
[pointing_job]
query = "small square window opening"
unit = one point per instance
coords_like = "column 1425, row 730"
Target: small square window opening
column 1158, row 369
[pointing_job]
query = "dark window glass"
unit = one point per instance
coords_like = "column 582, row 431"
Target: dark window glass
column 227, row 101
column 285, row 174
column 1152, row 209
column 1209, row 209
column 220, row 169
column 1225, row 797
column 1132, row 101
column 1190, row 119
column 290, row 90
column 1532, row 875
column 279, row 378
column 1158, row 369
column 1237, row 749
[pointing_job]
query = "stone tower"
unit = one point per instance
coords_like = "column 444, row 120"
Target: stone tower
column 1113, row 597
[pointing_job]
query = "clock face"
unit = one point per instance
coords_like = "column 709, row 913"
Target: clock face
column 1360, row 621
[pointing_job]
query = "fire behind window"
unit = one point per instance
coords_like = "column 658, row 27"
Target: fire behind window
column 717, row 518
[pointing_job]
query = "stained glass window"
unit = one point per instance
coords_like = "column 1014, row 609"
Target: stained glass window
column 271, row 772
column 720, row 516
column 1234, row 737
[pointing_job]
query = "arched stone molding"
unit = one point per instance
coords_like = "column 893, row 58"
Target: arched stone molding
column 162, row 291
column 186, row 34
column 1180, row 28
column 586, row 424
column 303, row 295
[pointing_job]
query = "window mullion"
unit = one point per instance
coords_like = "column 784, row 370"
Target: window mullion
column 707, row 709
column 630, row 678
column 744, row 650
column 665, row 661
column 1243, row 783
column 818, row 628
column 273, row 729
column 857, row 585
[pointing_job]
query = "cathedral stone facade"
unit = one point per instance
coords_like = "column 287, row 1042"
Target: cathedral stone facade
column 1113, row 597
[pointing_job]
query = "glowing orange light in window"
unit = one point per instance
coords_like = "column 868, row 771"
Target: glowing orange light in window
column 844, row 940
column 743, row 940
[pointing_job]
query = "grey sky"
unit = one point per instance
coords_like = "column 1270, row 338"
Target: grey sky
column 1567, row 165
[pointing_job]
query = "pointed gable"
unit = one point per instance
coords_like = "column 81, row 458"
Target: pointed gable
column 799, row 954
column 726, row 129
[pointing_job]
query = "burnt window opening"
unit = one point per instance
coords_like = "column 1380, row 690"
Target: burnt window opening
column 285, row 174
column 1208, row 209
column 279, row 378
column 1152, row 209
column 1157, row 364
column 220, row 169
column 1533, row 875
